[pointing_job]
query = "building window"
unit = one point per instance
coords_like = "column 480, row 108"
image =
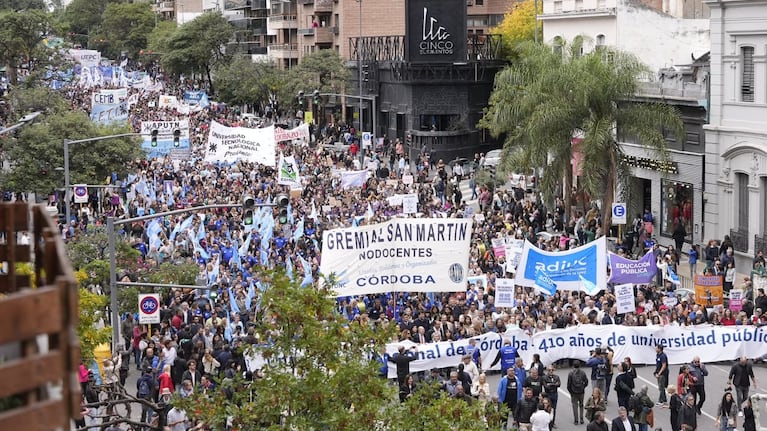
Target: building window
column 747, row 74
column 557, row 6
column 578, row 4
column 600, row 40
column 676, row 208
column 741, row 206
column 479, row 2
column 763, row 190
column 601, row 4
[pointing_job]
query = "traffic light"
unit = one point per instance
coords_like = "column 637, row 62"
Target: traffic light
column 365, row 73
column 282, row 202
column 301, row 99
column 155, row 132
column 176, row 137
column 248, row 209
column 317, row 98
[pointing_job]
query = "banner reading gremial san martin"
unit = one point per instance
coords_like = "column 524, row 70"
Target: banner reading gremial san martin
column 230, row 144
column 412, row 255
column 567, row 269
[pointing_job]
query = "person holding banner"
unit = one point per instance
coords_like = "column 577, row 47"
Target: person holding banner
column 402, row 360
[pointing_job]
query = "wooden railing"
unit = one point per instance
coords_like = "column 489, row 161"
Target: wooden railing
column 39, row 349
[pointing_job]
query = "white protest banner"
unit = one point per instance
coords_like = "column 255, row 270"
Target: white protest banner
column 711, row 343
column 504, row 292
column 407, row 179
column 624, row 298
column 86, row 57
column 448, row 354
column 109, row 96
column 167, row 101
column 351, row 179
column 569, row 270
column 411, row 255
column 513, row 252
column 301, row 132
column 287, row 172
column 410, row 203
column 165, row 142
column 230, row 144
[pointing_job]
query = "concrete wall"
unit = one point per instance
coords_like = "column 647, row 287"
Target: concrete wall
column 658, row 39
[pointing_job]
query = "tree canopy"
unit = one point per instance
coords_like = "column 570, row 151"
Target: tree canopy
column 37, row 150
column 198, row 46
column 319, row 374
column 518, row 26
column 21, row 34
column 553, row 93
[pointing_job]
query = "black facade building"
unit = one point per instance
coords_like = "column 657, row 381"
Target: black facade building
column 431, row 85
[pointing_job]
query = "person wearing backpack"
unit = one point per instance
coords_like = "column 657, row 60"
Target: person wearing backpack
column 145, row 391
column 577, row 381
column 641, row 405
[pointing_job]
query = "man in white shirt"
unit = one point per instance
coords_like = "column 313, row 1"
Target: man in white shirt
column 540, row 419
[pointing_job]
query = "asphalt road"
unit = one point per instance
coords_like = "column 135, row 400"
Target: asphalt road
column 714, row 384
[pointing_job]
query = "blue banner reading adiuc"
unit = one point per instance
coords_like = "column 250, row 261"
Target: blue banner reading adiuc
column 544, row 283
column 567, row 269
column 193, row 97
column 623, row 271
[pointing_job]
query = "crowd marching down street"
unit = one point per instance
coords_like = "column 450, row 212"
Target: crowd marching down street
column 521, row 309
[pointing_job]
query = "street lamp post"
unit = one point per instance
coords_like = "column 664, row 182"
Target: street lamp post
column 67, row 143
column 111, row 225
column 359, row 70
column 22, row 122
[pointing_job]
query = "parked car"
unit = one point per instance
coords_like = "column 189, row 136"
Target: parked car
column 493, row 159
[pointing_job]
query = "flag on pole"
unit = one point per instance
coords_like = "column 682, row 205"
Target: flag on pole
column 308, row 278
column 544, row 283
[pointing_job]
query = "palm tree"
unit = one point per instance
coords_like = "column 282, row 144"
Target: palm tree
column 553, row 93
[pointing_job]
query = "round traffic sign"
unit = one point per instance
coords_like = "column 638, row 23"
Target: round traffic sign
column 149, row 305
column 619, row 211
column 81, row 191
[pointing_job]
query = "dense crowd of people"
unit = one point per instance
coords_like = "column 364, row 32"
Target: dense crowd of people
column 197, row 342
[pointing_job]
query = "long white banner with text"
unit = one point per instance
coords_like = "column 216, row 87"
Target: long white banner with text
column 681, row 343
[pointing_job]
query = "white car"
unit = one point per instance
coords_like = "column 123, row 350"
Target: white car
column 493, row 158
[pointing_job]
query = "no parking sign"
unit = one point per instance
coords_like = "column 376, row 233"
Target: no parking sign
column 149, row 308
column 81, row 194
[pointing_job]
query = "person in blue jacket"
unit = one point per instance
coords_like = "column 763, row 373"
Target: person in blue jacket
column 507, row 391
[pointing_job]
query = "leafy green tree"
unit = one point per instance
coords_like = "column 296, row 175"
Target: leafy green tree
column 243, row 81
column 124, row 28
column 91, row 306
column 320, row 376
column 82, row 17
column 158, row 39
column 38, row 149
column 198, row 46
column 552, row 93
column 518, row 25
column 21, row 34
column 322, row 70
column 19, row 5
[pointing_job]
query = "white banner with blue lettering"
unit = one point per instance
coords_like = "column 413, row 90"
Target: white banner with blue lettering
column 711, row 343
column 412, row 255
column 582, row 268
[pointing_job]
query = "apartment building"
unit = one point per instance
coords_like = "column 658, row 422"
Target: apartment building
column 736, row 136
column 329, row 24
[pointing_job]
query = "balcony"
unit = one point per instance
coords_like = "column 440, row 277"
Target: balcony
column 760, row 243
column 323, row 6
column 306, row 31
column 283, row 22
column 284, row 50
column 302, row 2
column 165, row 7
column 323, row 35
column 739, row 240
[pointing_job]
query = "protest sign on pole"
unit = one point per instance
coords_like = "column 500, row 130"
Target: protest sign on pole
column 410, row 203
column 504, row 292
column 708, row 290
column 624, row 298
column 736, row 300
column 567, row 269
